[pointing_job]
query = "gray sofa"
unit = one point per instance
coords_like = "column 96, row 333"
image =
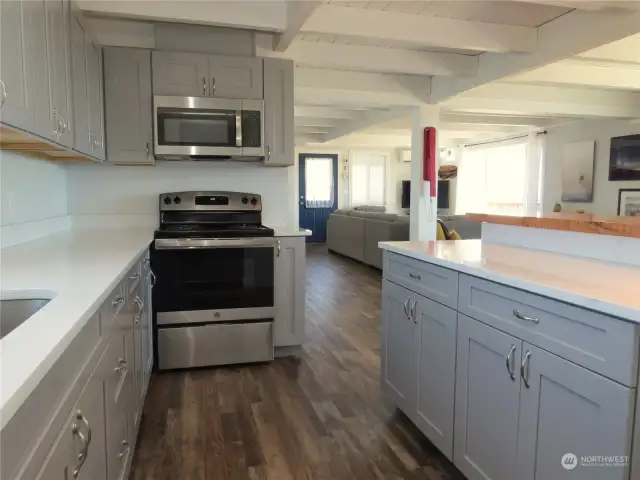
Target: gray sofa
column 356, row 234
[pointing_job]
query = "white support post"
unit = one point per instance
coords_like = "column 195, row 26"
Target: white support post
column 423, row 222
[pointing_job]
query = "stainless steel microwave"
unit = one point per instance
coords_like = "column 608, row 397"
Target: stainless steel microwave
column 197, row 128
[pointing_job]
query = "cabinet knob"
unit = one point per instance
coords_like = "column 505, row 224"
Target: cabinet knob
column 204, row 86
column 4, row 93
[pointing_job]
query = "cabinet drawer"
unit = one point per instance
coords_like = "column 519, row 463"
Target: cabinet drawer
column 111, row 308
column 603, row 344
column 434, row 282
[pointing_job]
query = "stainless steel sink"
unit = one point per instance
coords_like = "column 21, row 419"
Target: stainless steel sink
column 15, row 311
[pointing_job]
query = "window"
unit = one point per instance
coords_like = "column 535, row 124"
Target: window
column 367, row 179
column 493, row 179
column 318, row 182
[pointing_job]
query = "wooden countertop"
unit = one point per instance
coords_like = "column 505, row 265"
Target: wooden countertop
column 570, row 222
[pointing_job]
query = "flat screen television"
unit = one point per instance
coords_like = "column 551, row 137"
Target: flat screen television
column 624, row 158
column 443, row 194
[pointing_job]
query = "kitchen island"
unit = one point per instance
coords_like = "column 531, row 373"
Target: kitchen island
column 508, row 358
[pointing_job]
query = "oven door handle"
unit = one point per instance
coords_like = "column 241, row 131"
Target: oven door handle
column 193, row 243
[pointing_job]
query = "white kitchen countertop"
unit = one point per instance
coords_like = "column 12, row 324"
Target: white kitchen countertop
column 284, row 231
column 81, row 268
column 607, row 287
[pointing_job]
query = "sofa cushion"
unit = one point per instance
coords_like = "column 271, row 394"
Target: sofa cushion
column 370, row 208
column 342, row 211
column 381, row 217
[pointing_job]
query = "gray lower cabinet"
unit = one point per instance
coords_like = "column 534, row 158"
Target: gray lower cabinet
column 278, row 112
column 128, row 102
column 567, row 408
column 398, row 367
column 436, row 360
column 184, row 74
column 79, row 450
column 235, row 77
column 24, row 88
column 486, row 402
column 290, row 260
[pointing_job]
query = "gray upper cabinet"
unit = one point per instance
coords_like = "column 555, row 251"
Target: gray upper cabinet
column 185, row 74
column 436, row 359
column 24, row 89
column 278, row 112
column 59, row 69
column 95, row 97
column 128, row 102
column 235, row 77
column 557, row 394
column 289, row 320
column 399, row 343
column 80, row 94
column 486, row 403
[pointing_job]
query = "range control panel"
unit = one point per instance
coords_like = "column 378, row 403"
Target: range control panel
column 210, row 201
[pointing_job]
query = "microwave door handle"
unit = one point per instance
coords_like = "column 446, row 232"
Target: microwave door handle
column 238, row 128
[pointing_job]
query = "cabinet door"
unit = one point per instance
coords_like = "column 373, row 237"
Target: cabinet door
column 486, row 407
column 184, row 74
column 436, row 358
column 398, row 350
column 290, row 262
column 278, row 112
column 94, row 91
column 235, row 77
column 565, row 408
column 139, row 349
column 84, row 432
column 80, row 94
column 24, row 86
column 128, row 102
column 58, row 63
column 149, row 279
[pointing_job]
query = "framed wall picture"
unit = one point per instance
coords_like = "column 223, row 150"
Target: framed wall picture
column 577, row 172
column 629, row 202
column 624, row 158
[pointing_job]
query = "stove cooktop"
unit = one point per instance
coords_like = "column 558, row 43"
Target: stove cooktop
column 184, row 230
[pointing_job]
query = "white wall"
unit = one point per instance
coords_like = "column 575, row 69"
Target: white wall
column 605, row 193
column 33, row 199
column 118, row 190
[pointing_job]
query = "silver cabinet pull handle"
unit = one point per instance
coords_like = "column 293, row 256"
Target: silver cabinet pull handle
column 204, row 86
column 84, row 420
column 413, row 311
column 56, row 119
column 139, row 302
column 118, row 301
column 213, row 85
column 86, row 441
column 509, row 362
column 146, row 148
column 4, row 93
column 64, row 124
column 415, row 276
column 153, row 278
column 122, row 365
column 278, row 246
column 125, row 450
column 268, row 152
column 517, row 314
column 406, row 307
column 134, row 276
column 524, row 369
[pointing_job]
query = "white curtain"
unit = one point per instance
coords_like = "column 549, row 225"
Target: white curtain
column 367, row 179
column 500, row 177
column 318, row 177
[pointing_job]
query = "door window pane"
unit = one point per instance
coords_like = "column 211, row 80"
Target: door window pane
column 318, row 182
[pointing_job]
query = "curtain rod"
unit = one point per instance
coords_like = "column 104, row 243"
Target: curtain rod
column 543, row 132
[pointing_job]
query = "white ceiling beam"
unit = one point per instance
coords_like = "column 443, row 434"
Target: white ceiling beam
column 312, row 130
column 470, row 127
column 590, row 5
column 339, row 87
column 323, row 112
column 420, row 29
column 365, row 120
column 506, row 120
column 591, row 73
column 376, row 59
column 315, row 122
column 255, row 15
column 308, row 138
column 564, row 37
column 297, row 13
column 547, row 100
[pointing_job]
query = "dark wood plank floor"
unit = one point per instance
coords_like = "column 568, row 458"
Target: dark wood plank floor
column 319, row 416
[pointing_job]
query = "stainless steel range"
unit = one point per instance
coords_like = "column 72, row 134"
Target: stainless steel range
column 214, row 262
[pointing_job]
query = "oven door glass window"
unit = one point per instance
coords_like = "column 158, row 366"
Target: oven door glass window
column 199, row 128
column 213, row 279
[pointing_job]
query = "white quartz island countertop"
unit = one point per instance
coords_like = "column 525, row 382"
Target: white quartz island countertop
column 606, row 287
column 285, row 231
column 78, row 269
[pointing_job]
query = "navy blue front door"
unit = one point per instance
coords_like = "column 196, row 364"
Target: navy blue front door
column 318, row 193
